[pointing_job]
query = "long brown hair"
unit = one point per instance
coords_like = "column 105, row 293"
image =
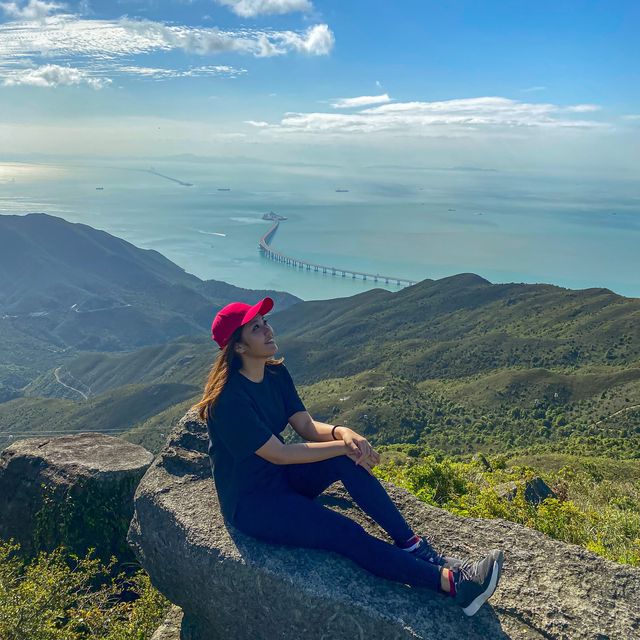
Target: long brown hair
column 225, row 363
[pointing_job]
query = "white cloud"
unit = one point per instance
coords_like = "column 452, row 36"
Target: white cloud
column 437, row 118
column 253, row 8
column 33, row 10
column 317, row 40
column 583, row 108
column 67, row 36
column 489, row 106
column 98, row 46
column 632, row 116
column 257, row 123
column 361, row 101
column 534, row 89
column 53, row 75
column 150, row 35
column 267, row 49
column 165, row 74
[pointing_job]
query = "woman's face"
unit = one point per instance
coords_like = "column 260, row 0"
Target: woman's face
column 258, row 339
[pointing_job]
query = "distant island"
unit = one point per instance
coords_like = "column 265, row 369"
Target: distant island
column 224, row 189
column 273, row 216
column 342, row 190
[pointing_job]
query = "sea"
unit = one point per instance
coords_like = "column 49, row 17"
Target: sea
column 406, row 222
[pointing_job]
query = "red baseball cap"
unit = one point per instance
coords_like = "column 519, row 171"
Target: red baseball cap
column 234, row 315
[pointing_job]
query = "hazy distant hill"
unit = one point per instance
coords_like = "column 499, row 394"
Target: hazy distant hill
column 67, row 287
column 47, row 261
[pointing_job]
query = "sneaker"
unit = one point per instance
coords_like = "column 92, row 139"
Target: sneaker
column 475, row 582
column 425, row 551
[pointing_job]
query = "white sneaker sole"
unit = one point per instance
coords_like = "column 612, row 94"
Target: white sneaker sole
column 472, row 608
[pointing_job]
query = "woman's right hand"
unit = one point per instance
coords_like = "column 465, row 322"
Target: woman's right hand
column 368, row 463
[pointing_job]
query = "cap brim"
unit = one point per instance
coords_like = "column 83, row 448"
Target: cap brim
column 264, row 306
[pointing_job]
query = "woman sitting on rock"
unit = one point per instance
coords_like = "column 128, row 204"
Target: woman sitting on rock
column 267, row 488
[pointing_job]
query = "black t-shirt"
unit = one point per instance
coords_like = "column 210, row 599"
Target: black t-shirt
column 245, row 416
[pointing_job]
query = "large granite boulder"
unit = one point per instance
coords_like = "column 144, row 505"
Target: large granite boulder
column 75, row 490
column 230, row 585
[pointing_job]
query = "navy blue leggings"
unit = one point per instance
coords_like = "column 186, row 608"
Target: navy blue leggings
column 292, row 516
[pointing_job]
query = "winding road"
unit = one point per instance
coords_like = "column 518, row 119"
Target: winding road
column 56, row 374
column 635, row 406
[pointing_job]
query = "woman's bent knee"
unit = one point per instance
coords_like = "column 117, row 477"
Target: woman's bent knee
column 347, row 468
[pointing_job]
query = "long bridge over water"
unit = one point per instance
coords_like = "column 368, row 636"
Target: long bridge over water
column 272, row 254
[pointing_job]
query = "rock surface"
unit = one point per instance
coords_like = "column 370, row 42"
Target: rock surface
column 536, row 490
column 170, row 627
column 230, row 585
column 75, row 490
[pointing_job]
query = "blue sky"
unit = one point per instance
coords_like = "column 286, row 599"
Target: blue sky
column 522, row 84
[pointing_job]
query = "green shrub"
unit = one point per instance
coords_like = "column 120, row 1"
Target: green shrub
column 433, row 482
column 564, row 521
column 54, row 597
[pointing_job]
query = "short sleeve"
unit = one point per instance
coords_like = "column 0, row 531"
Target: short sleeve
column 238, row 426
column 292, row 401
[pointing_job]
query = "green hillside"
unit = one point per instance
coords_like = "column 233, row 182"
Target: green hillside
column 495, row 367
column 113, row 412
column 462, row 326
column 93, row 373
column 152, row 432
column 389, row 409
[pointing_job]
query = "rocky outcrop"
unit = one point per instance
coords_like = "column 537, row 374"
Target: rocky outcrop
column 535, row 490
column 75, row 490
column 230, row 585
